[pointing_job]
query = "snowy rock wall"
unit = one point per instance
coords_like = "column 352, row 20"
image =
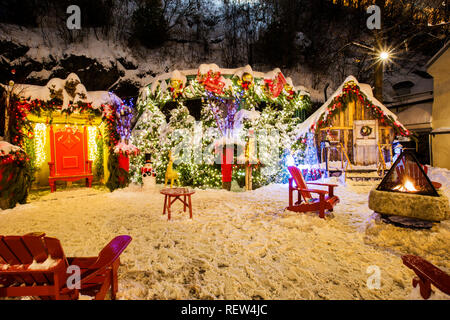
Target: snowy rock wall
column 105, row 64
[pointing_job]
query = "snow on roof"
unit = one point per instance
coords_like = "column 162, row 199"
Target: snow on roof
column 204, row 68
column 272, row 74
column 60, row 88
column 102, row 97
column 7, row 148
column 177, row 75
column 305, row 126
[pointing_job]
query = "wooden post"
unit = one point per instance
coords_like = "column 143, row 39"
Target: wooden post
column 248, row 177
column 8, row 101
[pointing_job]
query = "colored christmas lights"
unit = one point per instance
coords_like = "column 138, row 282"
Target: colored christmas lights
column 220, row 104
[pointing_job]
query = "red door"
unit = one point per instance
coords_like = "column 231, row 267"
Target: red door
column 70, row 151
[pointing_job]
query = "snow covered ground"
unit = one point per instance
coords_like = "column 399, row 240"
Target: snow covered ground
column 238, row 245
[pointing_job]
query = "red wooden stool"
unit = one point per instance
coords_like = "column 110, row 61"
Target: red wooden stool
column 173, row 194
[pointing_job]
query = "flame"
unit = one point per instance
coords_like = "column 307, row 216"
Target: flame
column 407, row 186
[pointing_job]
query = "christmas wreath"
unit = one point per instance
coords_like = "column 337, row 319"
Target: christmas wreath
column 366, row 131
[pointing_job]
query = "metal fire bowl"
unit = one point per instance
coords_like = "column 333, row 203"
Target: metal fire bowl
column 410, row 205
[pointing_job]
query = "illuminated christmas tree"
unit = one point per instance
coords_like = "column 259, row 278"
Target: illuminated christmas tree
column 312, row 171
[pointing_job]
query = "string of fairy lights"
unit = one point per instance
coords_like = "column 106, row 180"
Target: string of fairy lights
column 40, row 143
column 40, row 140
column 152, row 134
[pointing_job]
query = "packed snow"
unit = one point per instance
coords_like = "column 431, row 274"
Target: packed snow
column 46, row 265
column 7, row 148
column 238, row 245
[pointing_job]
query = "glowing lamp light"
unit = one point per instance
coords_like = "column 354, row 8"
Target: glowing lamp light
column 384, row 55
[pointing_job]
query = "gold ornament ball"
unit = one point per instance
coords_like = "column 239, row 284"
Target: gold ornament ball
column 247, row 77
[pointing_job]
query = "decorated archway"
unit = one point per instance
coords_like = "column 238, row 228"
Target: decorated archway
column 234, row 102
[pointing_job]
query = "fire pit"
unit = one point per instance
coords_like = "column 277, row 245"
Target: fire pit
column 407, row 191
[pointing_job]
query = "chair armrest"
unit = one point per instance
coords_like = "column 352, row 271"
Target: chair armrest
column 82, row 262
column 109, row 254
column 313, row 190
column 323, row 184
column 329, row 185
column 428, row 272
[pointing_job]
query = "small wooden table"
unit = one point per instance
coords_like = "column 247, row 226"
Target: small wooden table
column 177, row 193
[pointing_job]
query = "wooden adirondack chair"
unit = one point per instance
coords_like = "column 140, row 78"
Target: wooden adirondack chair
column 427, row 274
column 35, row 265
column 326, row 201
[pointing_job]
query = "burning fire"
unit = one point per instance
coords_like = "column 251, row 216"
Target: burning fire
column 407, row 186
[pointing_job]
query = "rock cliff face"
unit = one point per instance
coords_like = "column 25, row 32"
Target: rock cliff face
column 31, row 56
column 17, row 64
column 106, row 64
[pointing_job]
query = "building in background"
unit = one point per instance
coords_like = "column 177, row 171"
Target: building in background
column 411, row 99
column 439, row 68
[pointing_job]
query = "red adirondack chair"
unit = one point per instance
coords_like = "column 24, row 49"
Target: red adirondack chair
column 35, row 265
column 427, row 274
column 326, row 201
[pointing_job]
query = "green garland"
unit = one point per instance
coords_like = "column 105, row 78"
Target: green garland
column 352, row 92
column 19, row 125
column 99, row 170
column 118, row 177
column 16, row 176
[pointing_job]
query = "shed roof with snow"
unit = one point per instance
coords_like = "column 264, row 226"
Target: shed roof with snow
column 69, row 91
column 309, row 123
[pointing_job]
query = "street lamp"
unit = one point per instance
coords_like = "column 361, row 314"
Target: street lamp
column 380, row 57
column 384, row 56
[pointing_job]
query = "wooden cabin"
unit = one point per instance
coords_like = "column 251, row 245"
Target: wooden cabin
column 353, row 127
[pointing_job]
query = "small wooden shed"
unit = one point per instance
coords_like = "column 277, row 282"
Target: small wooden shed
column 355, row 126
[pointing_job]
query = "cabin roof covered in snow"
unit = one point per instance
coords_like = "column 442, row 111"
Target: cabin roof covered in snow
column 305, row 126
column 60, row 88
column 204, row 68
